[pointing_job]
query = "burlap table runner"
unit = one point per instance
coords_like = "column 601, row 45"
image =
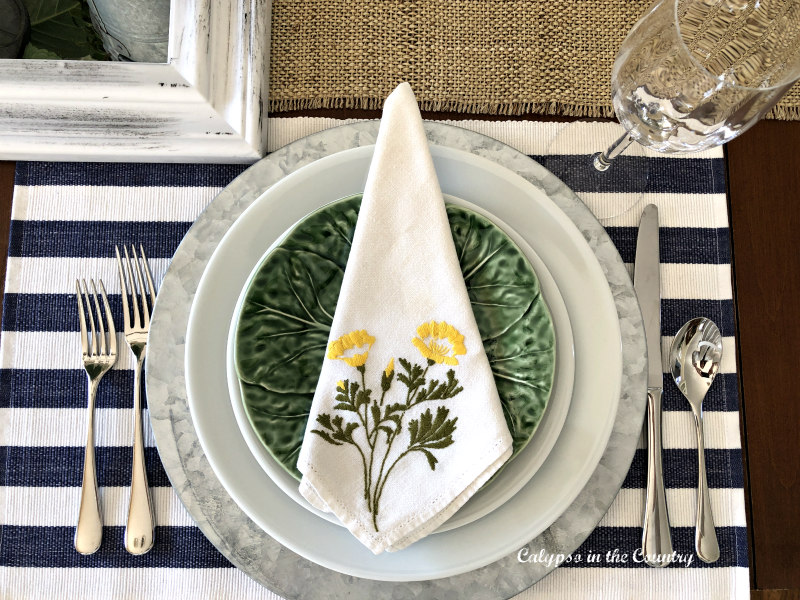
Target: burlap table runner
column 471, row 56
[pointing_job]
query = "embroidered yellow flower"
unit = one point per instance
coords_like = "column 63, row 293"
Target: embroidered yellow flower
column 354, row 341
column 389, row 368
column 340, row 385
column 440, row 342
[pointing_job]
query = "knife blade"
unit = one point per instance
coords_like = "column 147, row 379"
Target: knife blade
column 656, row 538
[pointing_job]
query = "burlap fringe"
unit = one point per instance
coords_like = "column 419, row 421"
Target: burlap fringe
column 483, row 108
column 779, row 113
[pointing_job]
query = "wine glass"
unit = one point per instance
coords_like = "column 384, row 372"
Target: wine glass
column 693, row 74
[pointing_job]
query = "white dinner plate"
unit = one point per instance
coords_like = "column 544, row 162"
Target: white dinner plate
column 516, row 473
column 598, row 369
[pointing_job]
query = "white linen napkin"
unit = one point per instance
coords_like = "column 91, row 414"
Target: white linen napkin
column 406, row 423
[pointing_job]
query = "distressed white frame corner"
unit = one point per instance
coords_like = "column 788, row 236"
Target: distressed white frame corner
column 208, row 103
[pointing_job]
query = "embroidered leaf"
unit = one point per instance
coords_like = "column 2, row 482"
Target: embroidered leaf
column 326, row 437
column 432, row 460
column 376, row 413
column 362, row 398
column 414, row 375
column 324, row 419
column 393, row 408
column 440, row 391
column 428, row 430
column 345, row 406
column 388, row 430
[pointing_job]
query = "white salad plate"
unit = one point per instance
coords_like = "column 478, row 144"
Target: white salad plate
column 516, row 473
column 571, row 462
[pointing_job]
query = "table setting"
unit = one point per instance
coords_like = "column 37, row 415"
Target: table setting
column 394, row 358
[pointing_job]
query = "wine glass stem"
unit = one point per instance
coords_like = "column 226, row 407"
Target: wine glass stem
column 602, row 160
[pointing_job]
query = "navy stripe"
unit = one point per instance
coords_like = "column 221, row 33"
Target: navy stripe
column 64, row 388
column 60, row 239
column 598, row 549
column 59, row 312
column 723, row 396
column 666, row 175
column 724, row 468
column 175, row 547
column 52, row 312
column 53, row 466
column 683, row 245
column 675, row 312
column 127, row 174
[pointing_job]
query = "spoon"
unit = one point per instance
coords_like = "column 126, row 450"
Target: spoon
column 694, row 359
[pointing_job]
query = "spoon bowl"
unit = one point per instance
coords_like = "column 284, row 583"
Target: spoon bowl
column 694, row 361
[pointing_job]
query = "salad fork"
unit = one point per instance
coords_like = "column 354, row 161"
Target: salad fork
column 140, row 528
column 98, row 357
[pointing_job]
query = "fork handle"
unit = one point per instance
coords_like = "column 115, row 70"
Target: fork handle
column 89, row 530
column 139, row 531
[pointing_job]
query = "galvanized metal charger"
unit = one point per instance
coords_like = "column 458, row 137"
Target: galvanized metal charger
column 220, row 518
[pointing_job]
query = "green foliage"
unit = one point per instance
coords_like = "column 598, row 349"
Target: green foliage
column 62, row 29
column 426, row 431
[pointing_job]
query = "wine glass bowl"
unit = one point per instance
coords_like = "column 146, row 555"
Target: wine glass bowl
column 693, row 74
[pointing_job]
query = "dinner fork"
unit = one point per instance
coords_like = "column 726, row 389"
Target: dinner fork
column 98, row 357
column 140, row 528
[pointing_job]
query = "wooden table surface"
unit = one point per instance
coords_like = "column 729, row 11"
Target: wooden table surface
column 764, row 208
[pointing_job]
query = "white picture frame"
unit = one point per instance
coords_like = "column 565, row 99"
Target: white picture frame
column 207, row 103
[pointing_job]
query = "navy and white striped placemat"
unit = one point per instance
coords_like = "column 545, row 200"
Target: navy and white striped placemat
column 66, row 218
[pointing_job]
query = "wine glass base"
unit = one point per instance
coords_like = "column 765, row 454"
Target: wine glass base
column 607, row 193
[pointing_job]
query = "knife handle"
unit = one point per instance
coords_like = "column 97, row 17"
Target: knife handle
column 656, row 539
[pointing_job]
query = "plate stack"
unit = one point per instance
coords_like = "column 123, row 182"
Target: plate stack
column 250, row 430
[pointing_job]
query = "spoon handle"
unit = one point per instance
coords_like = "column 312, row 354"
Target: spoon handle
column 656, row 538
column 705, row 540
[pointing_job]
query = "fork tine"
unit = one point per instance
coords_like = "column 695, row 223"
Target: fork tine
column 134, row 302
column 126, row 318
column 82, row 319
column 142, row 289
column 149, row 276
column 112, row 332
column 91, row 318
column 99, row 320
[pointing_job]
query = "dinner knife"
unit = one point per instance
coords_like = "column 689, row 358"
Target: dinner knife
column 656, row 539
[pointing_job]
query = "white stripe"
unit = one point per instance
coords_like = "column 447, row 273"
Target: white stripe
column 57, row 506
column 131, row 583
column 48, row 275
column 67, row 426
column 110, row 203
column 674, row 210
column 52, row 350
column 529, row 137
column 683, row 281
column 611, row 583
column 169, row 204
column 720, row 428
column 727, row 505
column 61, row 350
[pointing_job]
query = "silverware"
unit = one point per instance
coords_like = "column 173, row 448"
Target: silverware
column 656, row 540
column 694, row 360
column 140, row 529
column 98, row 357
